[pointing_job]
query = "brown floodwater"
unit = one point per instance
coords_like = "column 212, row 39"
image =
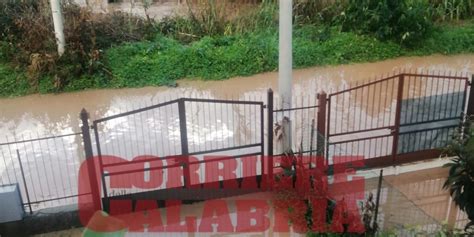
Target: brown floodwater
column 58, row 113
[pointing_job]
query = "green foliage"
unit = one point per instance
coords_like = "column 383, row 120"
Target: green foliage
column 448, row 39
column 163, row 60
column 218, row 18
column 317, row 11
column 28, row 41
column 12, row 82
column 460, row 181
column 449, row 10
column 215, row 40
column 401, row 21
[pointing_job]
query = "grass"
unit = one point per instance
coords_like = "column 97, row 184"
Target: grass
column 12, row 82
column 162, row 61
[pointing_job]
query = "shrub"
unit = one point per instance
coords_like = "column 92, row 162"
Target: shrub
column 448, row 40
column 28, row 31
column 12, row 82
column 219, row 18
column 317, row 11
column 402, row 22
column 460, row 181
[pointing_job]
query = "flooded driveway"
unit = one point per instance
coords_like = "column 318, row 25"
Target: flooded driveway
column 411, row 204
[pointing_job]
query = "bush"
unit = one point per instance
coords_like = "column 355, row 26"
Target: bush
column 164, row 60
column 27, row 31
column 400, row 21
column 317, row 11
column 210, row 18
column 460, row 181
column 448, row 40
column 12, row 82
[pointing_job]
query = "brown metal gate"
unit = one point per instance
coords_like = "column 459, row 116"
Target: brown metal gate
column 165, row 136
column 401, row 118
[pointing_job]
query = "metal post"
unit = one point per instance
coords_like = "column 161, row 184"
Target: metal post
column 184, row 142
column 58, row 25
column 86, row 137
column 285, row 67
column 321, row 126
column 377, row 202
column 285, row 52
column 396, row 128
column 24, row 181
column 270, row 137
column 470, row 103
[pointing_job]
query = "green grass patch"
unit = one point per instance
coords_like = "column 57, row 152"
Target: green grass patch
column 12, row 82
column 163, row 60
column 448, row 40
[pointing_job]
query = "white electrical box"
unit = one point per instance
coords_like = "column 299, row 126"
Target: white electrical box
column 11, row 206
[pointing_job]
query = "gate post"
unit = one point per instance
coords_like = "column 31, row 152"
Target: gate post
column 398, row 111
column 86, row 137
column 470, row 103
column 321, row 129
column 270, row 138
column 184, row 142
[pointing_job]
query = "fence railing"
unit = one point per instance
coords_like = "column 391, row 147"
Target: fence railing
column 46, row 168
column 387, row 121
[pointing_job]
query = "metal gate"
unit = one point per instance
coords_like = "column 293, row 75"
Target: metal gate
column 168, row 132
column 400, row 118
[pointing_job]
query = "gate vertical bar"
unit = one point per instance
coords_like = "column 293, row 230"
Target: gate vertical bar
column 311, row 148
column 396, row 128
column 328, row 127
column 86, row 138
column 270, row 137
column 322, row 154
column 470, row 103
column 377, row 201
column 24, row 181
column 262, row 141
column 184, row 141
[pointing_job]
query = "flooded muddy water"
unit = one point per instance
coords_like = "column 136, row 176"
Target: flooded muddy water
column 59, row 113
column 51, row 165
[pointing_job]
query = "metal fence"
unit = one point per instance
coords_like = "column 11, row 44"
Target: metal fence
column 46, row 168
